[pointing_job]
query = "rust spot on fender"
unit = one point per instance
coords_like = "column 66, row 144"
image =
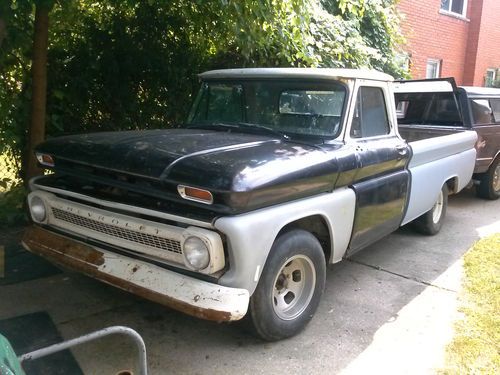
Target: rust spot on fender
column 85, row 259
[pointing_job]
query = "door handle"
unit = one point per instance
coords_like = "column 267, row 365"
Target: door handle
column 402, row 150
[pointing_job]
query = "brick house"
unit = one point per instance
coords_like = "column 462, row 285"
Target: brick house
column 457, row 38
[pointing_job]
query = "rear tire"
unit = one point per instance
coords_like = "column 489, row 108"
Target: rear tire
column 290, row 287
column 431, row 222
column 489, row 183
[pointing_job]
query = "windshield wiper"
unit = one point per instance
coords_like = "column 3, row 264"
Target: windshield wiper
column 248, row 125
column 216, row 125
column 241, row 125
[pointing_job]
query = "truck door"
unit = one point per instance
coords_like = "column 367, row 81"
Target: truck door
column 381, row 181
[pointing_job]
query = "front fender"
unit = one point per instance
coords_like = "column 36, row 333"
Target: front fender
column 250, row 236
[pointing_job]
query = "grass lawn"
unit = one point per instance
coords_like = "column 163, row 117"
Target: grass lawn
column 475, row 348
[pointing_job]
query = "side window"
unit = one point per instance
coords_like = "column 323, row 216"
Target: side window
column 495, row 106
column 370, row 115
column 481, row 111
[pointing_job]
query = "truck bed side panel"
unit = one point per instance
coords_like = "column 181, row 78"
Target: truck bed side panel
column 414, row 133
column 434, row 162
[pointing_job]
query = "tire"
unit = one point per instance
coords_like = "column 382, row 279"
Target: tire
column 431, row 222
column 290, row 287
column 489, row 183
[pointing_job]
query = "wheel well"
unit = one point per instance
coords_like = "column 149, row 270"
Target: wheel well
column 497, row 156
column 317, row 226
column 452, row 185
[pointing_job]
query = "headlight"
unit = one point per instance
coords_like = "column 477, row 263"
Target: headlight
column 196, row 253
column 38, row 210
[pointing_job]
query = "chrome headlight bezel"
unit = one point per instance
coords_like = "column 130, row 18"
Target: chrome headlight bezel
column 38, row 209
column 213, row 243
column 196, row 253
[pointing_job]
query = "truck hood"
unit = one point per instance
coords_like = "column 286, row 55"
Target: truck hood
column 227, row 163
column 144, row 153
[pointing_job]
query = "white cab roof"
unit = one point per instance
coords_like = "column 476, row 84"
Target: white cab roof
column 315, row 73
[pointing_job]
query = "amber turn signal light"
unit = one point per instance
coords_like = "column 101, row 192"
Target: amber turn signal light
column 195, row 194
column 45, row 159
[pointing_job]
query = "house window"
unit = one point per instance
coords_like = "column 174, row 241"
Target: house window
column 491, row 76
column 455, row 6
column 433, row 68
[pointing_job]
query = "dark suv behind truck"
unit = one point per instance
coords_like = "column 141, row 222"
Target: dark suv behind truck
column 426, row 104
column 481, row 112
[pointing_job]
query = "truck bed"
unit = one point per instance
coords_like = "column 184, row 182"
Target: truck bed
column 413, row 133
column 435, row 154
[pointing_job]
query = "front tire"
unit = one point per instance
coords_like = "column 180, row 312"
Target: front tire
column 489, row 183
column 431, row 222
column 290, row 287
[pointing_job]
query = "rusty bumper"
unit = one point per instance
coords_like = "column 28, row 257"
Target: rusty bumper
column 192, row 296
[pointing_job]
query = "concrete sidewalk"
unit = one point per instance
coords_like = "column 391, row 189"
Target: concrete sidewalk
column 388, row 310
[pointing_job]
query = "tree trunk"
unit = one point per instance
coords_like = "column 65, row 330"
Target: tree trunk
column 3, row 30
column 36, row 131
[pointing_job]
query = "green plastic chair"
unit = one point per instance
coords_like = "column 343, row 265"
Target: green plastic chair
column 9, row 364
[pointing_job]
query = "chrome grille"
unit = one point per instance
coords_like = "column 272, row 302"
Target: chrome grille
column 125, row 234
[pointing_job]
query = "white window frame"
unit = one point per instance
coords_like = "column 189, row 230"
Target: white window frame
column 435, row 62
column 493, row 77
column 449, row 11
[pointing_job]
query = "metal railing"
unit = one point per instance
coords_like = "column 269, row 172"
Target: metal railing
column 137, row 339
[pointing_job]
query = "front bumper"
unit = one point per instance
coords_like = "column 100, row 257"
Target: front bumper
column 192, row 296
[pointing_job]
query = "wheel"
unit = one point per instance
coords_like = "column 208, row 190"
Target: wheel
column 431, row 222
column 489, row 184
column 290, row 287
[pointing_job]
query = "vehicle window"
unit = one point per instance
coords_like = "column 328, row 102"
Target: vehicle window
column 444, row 110
column 370, row 116
column 433, row 108
column 481, row 111
column 288, row 107
column 221, row 102
column 495, row 106
column 321, row 103
column 401, row 108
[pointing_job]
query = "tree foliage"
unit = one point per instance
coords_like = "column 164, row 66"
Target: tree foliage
column 123, row 64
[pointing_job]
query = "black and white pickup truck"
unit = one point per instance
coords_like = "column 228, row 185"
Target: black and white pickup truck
column 277, row 173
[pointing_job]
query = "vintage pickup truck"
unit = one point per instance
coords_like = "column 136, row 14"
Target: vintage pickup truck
column 438, row 106
column 277, row 173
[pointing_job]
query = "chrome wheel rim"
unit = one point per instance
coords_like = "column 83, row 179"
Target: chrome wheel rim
column 293, row 287
column 496, row 179
column 437, row 210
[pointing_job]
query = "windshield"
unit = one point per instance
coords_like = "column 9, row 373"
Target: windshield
column 301, row 108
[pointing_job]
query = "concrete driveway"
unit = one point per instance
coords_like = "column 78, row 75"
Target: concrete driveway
column 387, row 310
